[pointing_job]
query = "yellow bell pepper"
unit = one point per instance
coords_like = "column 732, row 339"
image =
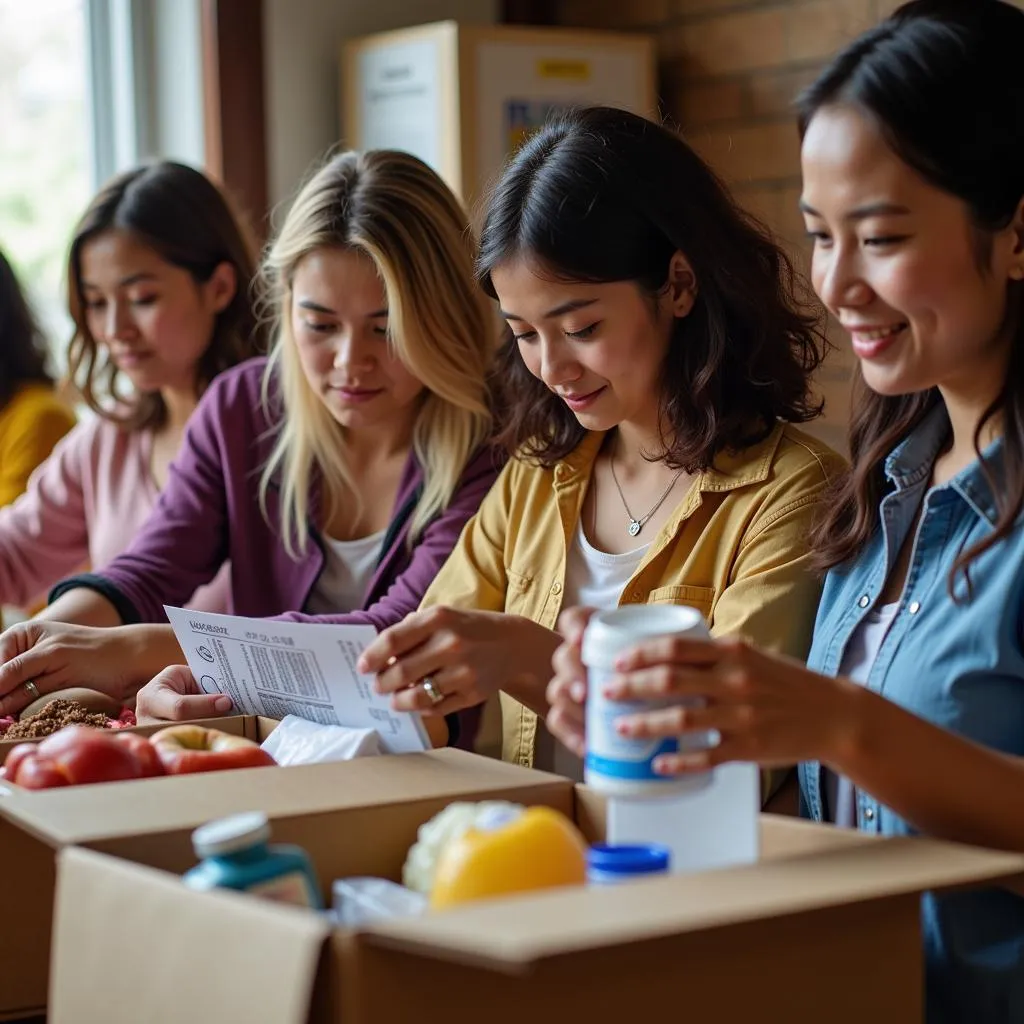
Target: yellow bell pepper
column 517, row 851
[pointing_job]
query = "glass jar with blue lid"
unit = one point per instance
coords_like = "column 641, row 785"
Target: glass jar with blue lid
column 236, row 853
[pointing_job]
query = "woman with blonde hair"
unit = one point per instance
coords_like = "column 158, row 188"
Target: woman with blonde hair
column 336, row 475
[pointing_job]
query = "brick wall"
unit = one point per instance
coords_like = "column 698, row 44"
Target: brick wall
column 728, row 72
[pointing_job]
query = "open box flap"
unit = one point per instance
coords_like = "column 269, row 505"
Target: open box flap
column 115, row 810
column 783, row 836
column 249, row 960
column 511, row 934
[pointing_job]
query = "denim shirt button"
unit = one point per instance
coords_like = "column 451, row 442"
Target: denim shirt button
column 864, row 601
column 915, row 607
column 869, row 814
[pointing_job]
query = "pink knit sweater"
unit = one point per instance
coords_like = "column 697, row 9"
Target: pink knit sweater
column 82, row 508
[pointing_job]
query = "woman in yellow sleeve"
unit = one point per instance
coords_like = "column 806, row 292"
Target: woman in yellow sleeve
column 654, row 367
column 32, row 418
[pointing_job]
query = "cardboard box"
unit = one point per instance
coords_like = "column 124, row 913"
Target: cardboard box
column 150, row 821
column 463, row 97
column 827, row 918
column 27, row 851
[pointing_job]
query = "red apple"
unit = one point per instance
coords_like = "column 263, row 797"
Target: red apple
column 16, row 756
column 143, row 751
column 77, row 755
column 34, row 773
column 87, row 755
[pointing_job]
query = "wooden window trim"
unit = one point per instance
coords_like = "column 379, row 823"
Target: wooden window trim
column 234, row 112
column 234, row 104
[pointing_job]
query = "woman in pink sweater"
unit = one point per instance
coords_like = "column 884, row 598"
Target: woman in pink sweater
column 158, row 288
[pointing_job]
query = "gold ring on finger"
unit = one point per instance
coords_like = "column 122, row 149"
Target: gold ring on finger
column 431, row 689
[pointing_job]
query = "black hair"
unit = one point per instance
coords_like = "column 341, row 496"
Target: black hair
column 22, row 345
column 602, row 195
column 189, row 222
column 941, row 80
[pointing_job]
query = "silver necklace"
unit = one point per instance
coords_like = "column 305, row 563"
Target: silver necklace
column 635, row 524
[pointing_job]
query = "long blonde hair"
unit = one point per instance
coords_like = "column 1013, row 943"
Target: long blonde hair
column 395, row 210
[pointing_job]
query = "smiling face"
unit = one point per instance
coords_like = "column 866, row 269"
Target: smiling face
column 599, row 347
column 339, row 319
column 921, row 292
column 154, row 319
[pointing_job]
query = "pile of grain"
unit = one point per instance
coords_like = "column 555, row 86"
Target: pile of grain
column 53, row 717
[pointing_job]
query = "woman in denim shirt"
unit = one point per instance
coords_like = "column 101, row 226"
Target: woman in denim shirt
column 911, row 715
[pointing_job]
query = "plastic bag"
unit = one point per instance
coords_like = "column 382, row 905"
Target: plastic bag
column 299, row 741
column 358, row 901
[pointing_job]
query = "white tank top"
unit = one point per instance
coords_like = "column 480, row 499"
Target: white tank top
column 348, row 569
column 596, row 579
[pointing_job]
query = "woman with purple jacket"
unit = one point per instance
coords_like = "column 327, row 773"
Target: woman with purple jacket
column 337, row 474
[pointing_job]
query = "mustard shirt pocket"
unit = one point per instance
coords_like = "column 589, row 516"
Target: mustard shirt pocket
column 518, row 592
column 701, row 598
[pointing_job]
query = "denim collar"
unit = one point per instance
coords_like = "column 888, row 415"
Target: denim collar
column 911, row 462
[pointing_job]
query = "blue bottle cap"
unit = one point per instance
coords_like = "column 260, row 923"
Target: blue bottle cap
column 628, row 859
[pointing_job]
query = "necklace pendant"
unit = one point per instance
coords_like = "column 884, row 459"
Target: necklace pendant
column 634, row 527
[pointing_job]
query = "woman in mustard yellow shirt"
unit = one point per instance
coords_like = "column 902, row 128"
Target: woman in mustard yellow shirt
column 32, row 418
column 655, row 364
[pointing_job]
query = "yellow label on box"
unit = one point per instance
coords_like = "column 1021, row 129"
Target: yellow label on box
column 572, row 70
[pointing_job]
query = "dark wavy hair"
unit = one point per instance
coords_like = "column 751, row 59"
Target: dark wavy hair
column 601, row 195
column 22, row 345
column 188, row 221
column 941, row 80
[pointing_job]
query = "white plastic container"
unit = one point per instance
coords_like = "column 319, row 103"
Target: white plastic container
column 615, row 765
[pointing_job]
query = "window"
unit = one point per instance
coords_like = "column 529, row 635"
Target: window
column 88, row 88
column 45, row 174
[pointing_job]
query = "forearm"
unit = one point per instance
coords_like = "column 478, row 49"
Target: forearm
column 946, row 786
column 83, row 607
column 530, row 672
column 149, row 650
